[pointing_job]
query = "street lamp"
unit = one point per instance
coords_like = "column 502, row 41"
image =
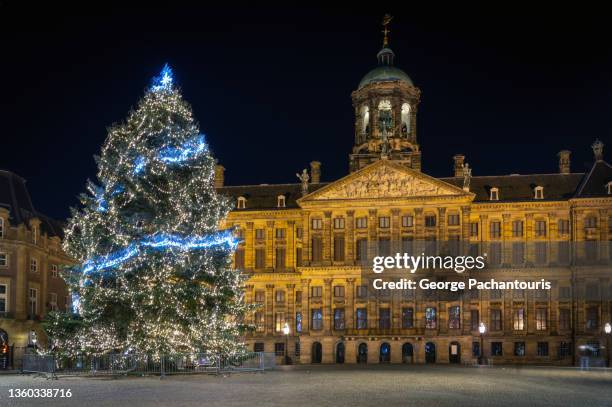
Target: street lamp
column 482, row 329
column 286, row 332
column 608, row 330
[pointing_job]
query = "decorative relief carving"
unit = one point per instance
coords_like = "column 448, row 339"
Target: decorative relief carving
column 385, row 182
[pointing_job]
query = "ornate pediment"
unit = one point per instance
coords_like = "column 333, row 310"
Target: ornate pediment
column 385, row 179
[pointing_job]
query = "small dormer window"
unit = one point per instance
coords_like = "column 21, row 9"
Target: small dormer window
column 280, row 201
column 539, row 192
column 241, row 202
column 494, row 196
column 609, row 188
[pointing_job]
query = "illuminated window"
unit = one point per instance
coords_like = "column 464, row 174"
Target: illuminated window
column 53, row 301
column 339, row 318
column 454, row 317
column 317, row 224
column 519, row 319
column 279, row 322
column 241, row 202
column 280, row 201
column 517, row 228
column 405, row 119
column 407, row 221
column 496, row 321
column 539, row 192
column 317, row 319
column 407, row 317
column 361, row 223
column 338, row 223
column 54, row 272
column 298, row 321
column 384, row 222
column 494, row 196
column 541, row 319
column 430, row 318
column 453, row 219
column 260, row 321
column 34, row 265
column 362, row 318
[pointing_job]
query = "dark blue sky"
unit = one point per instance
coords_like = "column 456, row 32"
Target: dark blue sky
column 271, row 86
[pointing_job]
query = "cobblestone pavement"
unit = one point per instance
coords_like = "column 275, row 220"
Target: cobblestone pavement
column 380, row 386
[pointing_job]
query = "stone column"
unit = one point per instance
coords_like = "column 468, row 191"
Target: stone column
column 305, row 306
column 327, row 306
column 506, row 235
column 291, row 247
column 290, row 317
column 306, row 254
column 465, row 228
column 350, row 237
column 269, row 309
column 350, row 303
column 327, row 238
column 442, row 226
column 21, row 284
column 248, row 299
column 249, row 246
column 395, row 231
column 603, row 234
column 419, row 233
column 270, row 244
column 372, row 233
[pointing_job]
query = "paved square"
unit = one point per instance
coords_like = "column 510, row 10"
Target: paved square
column 382, row 386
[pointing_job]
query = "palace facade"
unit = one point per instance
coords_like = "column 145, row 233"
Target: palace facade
column 307, row 247
column 30, row 260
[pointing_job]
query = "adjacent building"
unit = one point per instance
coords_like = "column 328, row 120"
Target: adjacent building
column 30, row 261
column 305, row 245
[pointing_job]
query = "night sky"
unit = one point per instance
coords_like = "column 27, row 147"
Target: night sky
column 271, row 86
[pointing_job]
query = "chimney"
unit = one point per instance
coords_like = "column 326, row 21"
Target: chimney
column 315, row 172
column 564, row 161
column 219, row 177
column 459, row 159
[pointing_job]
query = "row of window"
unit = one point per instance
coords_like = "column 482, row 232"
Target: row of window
column 4, row 262
column 519, row 319
column 542, row 349
column 32, row 301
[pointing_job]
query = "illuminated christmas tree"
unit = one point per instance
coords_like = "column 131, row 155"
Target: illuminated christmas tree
column 153, row 271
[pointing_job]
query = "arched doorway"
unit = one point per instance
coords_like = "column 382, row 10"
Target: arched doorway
column 340, row 352
column 430, row 352
column 317, row 352
column 407, row 353
column 4, row 349
column 362, row 353
column 454, row 352
column 385, row 353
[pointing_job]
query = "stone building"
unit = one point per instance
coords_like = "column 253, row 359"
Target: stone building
column 30, row 260
column 304, row 246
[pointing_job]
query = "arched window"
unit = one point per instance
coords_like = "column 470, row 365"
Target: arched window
column 405, row 119
column 241, row 202
column 385, row 116
column 494, row 194
column 280, row 201
column 365, row 124
column 538, row 192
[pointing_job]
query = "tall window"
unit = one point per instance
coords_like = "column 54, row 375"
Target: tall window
column 3, row 260
column 338, row 223
column 430, row 221
column 317, row 224
column 453, row 219
column 281, row 233
column 518, row 253
column 338, row 248
column 519, row 348
column 3, row 298
column 362, row 291
column 361, row 223
column 260, row 321
column 339, row 291
column 430, row 318
column 260, row 258
column 298, row 297
column 362, row 318
column 317, row 319
column 280, row 258
column 260, row 234
column 385, row 116
column 384, row 247
column 241, row 202
column 407, row 221
column 407, row 317
column 517, row 228
column 260, row 296
column 496, row 349
column 474, row 320
column 590, row 222
column 280, row 296
column 339, row 318
column 33, row 302
column 494, row 196
column 541, row 252
column 542, row 348
column 280, row 201
column 539, row 192
column 540, row 228
column 384, row 318
column 495, row 228
column 365, row 124
column 317, row 248
column 563, row 226
column 454, row 317
column 541, row 319
column 564, row 319
column 405, row 119
column 298, row 321
column 474, row 229
column 298, row 257
column 592, row 318
column 407, row 246
column 316, row 291
column 34, row 234
column 496, row 321
column 495, row 253
column 53, row 301
column 519, row 319
column 33, row 265
column 384, row 222
column 362, row 249
column 238, row 257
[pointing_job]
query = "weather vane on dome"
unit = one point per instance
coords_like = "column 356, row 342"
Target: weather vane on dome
column 385, row 23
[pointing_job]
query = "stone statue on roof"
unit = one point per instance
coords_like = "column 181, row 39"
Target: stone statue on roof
column 304, row 178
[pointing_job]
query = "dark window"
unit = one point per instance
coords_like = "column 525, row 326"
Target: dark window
column 517, row 228
column 496, row 322
column 592, row 348
column 280, row 233
column 279, row 349
column 540, row 228
column 430, row 318
column 298, row 257
column 384, row 318
column 590, row 222
column 475, row 349
column 474, row 320
column 317, row 319
column 362, row 318
column 495, row 253
column 518, row 253
column 260, row 234
column 338, row 291
column 519, row 348
column 592, row 314
column 592, row 291
column 299, row 232
column 453, row 219
column 298, row 297
column 565, row 349
column 541, row 252
column 474, row 229
column 258, row 347
column 362, row 249
column 495, row 294
column 542, row 348
column 563, row 252
column 495, row 229
column 316, row 291
column 239, row 258
column 454, row 317
column 384, row 247
column 407, row 244
column 407, row 318
column 280, row 258
column 317, row 249
column 563, row 226
column 430, row 221
column 260, row 296
column 564, row 292
column 260, row 258
column 339, row 318
column 564, row 319
column 362, row 291
column 339, row 248
column 496, row 349
column 518, row 293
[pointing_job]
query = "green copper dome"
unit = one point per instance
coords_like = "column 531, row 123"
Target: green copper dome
column 385, row 71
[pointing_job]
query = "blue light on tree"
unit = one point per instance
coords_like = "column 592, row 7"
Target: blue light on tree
column 187, row 151
column 164, row 81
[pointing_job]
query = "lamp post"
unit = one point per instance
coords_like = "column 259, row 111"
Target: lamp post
column 482, row 329
column 286, row 332
column 608, row 330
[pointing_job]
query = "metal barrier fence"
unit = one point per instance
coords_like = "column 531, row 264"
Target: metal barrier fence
column 115, row 364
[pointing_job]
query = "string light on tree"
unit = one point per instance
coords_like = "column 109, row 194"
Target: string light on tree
column 153, row 272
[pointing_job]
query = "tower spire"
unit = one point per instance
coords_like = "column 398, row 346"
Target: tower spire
column 385, row 23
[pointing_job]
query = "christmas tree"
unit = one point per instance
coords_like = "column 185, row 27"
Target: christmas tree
column 153, row 273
